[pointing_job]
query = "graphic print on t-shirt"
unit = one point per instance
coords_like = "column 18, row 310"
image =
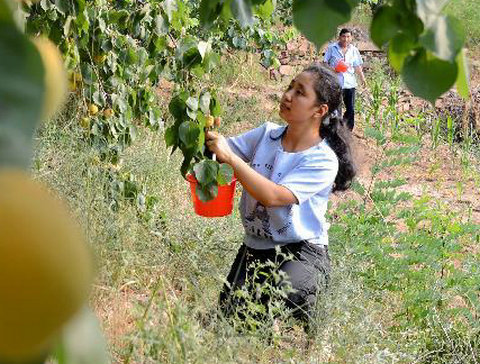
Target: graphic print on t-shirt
column 258, row 222
column 259, row 212
column 308, row 174
column 283, row 230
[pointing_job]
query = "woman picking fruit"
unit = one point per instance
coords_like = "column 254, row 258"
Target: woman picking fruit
column 287, row 173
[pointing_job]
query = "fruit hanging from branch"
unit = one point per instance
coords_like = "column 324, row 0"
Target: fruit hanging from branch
column 92, row 109
column 108, row 113
column 210, row 120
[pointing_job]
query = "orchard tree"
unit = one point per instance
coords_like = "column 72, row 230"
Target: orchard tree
column 116, row 51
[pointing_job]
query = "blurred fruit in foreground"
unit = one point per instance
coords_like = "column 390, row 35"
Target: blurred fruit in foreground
column 45, row 267
column 217, row 121
column 56, row 85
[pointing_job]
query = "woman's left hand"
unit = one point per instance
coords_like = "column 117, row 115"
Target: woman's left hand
column 218, row 145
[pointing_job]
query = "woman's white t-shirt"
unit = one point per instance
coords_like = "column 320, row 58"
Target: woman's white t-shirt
column 309, row 174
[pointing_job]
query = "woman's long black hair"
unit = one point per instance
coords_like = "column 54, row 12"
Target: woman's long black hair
column 332, row 127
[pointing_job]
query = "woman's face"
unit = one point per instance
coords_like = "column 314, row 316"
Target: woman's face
column 299, row 101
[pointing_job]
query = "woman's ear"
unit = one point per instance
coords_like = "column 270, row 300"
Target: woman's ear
column 322, row 110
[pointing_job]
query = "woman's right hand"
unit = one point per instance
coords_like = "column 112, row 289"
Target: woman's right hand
column 218, row 145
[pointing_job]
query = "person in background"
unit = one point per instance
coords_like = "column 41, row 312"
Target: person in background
column 288, row 173
column 345, row 59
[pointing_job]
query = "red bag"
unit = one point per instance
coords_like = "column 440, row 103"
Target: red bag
column 341, row 67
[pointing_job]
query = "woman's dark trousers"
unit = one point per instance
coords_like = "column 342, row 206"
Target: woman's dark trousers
column 306, row 272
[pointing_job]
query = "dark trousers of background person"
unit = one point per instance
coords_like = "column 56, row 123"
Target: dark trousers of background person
column 349, row 101
column 307, row 272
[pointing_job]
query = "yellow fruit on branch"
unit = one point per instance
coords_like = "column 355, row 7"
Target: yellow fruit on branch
column 45, row 268
column 56, row 85
column 209, row 122
column 95, row 160
column 108, row 113
column 85, row 123
column 100, row 58
column 92, row 109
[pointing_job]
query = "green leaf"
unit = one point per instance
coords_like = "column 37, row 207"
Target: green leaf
column 171, row 136
column 226, row 13
column 385, row 25
column 201, row 120
column 318, row 19
column 88, row 74
column 177, row 106
column 205, row 102
column 132, row 134
column 463, row 78
column 187, row 158
column 67, row 26
column 211, row 61
column 206, row 193
column 430, row 9
column 118, row 16
column 188, row 133
column 188, row 53
column 170, row 7
column 399, row 48
column 242, row 10
column 266, row 9
column 444, row 37
column 209, row 11
column 427, row 76
column 206, row 171
column 192, row 114
column 21, row 93
column 225, row 174
column 161, row 26
column 215, row 106
column 203, row 48
column 119, row 103
column 192, row 103
column 198, row 70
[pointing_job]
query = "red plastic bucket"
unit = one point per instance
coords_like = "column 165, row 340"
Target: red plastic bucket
column 222, row 205
column 341, row 66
